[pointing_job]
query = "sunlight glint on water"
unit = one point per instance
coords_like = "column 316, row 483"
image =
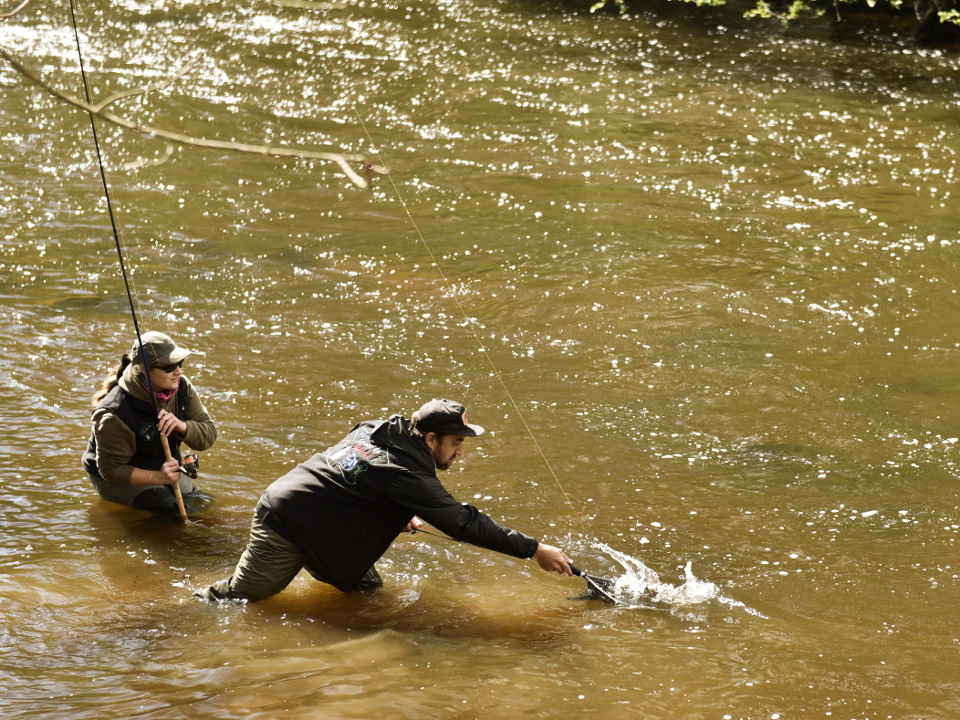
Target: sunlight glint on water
column 715, row 262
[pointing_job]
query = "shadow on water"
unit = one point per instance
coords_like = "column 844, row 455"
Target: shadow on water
column 158, row 558
column 427, row 609
column 116, row 522
column 153, row 556
column 143, row 555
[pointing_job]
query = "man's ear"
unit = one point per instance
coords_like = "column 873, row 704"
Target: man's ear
column 431, row 440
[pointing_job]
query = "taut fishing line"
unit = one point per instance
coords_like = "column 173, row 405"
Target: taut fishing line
column 453, row 294
column 598, row 588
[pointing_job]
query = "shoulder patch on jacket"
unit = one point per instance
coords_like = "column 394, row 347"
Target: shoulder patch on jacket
column 352, row 459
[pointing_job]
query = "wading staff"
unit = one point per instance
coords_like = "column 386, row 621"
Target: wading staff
column 123, row 267
column 176, row 484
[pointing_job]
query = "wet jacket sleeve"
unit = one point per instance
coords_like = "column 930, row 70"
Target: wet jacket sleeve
column 116, row 444
column 426, row 497
column 201, row 432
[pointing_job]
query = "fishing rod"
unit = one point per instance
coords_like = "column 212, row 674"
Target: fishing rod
column 123, row 267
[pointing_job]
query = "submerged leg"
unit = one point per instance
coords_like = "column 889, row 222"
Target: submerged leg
column 268, row 564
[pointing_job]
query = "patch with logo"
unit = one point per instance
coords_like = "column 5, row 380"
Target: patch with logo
column 353, row 459
column 149, row 431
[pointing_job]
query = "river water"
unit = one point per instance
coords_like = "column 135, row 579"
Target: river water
column 698, row 278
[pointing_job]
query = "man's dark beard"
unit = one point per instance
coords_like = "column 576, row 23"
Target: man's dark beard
column 443, row 466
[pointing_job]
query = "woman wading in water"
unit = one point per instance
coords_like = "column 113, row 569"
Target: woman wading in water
column 125, row 457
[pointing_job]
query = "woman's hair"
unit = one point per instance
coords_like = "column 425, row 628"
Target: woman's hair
column 111, row 380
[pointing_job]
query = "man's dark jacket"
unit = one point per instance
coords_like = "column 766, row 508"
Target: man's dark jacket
column 346, row 505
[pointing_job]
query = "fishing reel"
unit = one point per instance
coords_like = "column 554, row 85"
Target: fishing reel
column 190, row 465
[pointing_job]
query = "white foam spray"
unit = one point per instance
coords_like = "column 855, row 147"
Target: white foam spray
column 640, row 586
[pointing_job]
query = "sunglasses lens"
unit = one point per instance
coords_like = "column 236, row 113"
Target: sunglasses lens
column 168, row 368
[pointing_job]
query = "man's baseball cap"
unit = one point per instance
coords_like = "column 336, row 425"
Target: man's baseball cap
column 160, row 349
column 446, row 417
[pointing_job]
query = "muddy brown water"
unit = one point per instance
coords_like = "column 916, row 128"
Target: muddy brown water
column 713, row 263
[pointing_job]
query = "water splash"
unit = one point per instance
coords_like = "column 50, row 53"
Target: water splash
column 640, row 586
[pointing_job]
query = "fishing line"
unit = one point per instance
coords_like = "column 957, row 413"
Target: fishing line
column 472, row 327
column 453, row 294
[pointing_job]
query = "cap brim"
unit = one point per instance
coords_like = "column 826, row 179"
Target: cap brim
column 473, row 430
column 179, row 355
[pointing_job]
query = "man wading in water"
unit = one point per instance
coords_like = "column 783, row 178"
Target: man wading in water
column 337, row 513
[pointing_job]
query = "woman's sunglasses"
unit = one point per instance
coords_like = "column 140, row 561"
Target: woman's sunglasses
column 167, row 368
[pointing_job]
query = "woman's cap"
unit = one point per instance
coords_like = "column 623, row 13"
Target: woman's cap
column 160, row 349
column 445, row 417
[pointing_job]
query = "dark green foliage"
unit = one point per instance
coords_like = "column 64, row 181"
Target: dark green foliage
column 938, row 21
